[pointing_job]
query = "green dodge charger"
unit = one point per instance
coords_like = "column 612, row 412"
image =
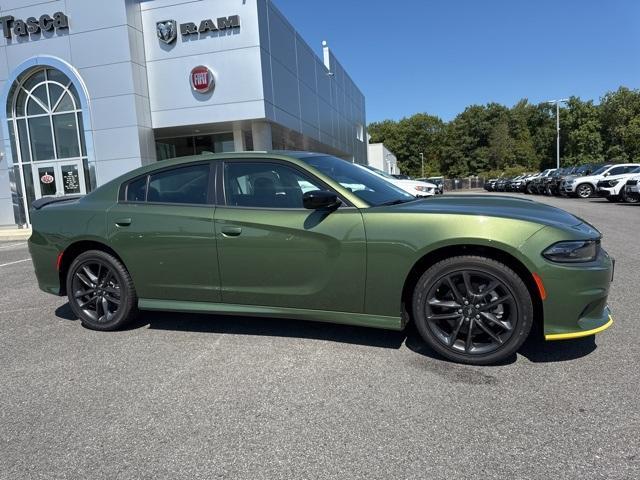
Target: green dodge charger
column 314, row 237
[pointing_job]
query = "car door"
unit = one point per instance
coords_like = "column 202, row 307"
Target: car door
column 162, row 227
column 274, row 252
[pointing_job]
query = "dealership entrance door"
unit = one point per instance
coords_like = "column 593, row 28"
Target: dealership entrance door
column 58, row 178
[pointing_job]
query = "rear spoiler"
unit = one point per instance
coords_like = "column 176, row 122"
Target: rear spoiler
column 44, row 201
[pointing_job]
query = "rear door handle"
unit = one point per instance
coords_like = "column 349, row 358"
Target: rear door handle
column 123, row 222
column 231, row 231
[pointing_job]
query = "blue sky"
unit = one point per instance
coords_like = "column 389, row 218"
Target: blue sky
column 438, row 56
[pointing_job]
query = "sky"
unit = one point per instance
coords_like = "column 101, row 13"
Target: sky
column 439, row 56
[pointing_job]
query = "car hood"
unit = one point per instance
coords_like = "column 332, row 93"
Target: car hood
column 492, row 206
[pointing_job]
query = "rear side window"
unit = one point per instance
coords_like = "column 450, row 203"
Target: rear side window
column 180, row 185
column 137, row 190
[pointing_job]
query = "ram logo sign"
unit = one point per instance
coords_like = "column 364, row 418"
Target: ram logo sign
column 167, row 31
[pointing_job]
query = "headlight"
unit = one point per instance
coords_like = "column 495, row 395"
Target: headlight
column 573, row 252
column 422, row 188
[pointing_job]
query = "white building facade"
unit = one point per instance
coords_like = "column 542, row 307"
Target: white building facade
column 381, row 158
column 96, row 88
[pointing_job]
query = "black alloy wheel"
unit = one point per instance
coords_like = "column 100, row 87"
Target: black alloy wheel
column 584, row 190
column 101, row 291
column 472, row 309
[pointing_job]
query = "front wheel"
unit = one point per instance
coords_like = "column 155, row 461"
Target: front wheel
column 101, row 291
column 584, row 190
column 630, row 198
column 472, row 309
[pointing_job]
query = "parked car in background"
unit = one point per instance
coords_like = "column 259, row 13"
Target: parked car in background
column 586, row 186
column 490, row 185
column 501, row 184
column 632, row 190
column 537, row 185
column 528, row 182
column 551, row 183
column 579, row 171
column 438, row 181
column 613, row 187
column 414, row 187
column 473, row 274
column 400, row 176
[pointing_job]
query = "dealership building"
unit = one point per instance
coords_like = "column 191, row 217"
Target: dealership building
column 95, row 88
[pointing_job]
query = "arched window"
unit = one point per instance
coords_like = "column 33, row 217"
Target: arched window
column 44, row 117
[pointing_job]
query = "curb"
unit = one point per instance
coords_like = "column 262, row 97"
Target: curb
column 14, row 234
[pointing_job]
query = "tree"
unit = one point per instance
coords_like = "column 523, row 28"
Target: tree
column 496, row 139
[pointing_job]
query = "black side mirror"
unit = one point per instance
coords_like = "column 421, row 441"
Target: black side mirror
column 320, row 199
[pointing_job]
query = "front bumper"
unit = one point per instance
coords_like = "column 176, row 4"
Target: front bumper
column 576, row 294
column 606, row 191
column 586, row 332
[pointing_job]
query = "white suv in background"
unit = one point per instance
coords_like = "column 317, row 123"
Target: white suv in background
column 613, row 187
column 586, row 186
column 413, row 187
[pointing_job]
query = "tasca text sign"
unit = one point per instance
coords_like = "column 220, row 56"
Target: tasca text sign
column 33, row 25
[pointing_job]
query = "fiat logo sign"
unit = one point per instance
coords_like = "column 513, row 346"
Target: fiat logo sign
column 46, row 178
column 201, row 79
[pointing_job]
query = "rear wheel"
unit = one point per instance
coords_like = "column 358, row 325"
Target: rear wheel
column 584, row 190
column 472, row 309
column 100, row 291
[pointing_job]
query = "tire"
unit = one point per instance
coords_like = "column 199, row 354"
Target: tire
column 629, row 198
column 445, row 321
column 584, row 190
column 528, row 189
column 109, row 301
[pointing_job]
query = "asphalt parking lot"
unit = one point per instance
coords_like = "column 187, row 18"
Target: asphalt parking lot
column 188, row 396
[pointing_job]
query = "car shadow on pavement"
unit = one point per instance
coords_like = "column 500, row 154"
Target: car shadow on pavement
column 266, row 326
column 535, row 348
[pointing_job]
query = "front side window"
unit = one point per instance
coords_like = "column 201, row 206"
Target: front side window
column 265, row 185
column 617, row 170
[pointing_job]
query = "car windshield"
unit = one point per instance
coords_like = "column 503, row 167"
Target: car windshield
column 364, row 184
column 600, row 170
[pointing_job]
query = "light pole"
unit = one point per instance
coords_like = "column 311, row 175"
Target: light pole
column 557, row 102
column 422, row 164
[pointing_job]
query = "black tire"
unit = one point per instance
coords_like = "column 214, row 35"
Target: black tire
column 629, row 198
column 100, row 291
column 528, row 189
column 439, row 305
column 584, row 190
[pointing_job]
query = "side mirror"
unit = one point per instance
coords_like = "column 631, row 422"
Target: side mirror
column 320, row 199
column 606, row 174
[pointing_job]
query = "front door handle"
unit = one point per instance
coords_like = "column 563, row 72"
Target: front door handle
column 231, row 231
column 123, row 222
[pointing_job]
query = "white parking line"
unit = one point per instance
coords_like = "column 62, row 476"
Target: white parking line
column 12, row 245
column 17, row 261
